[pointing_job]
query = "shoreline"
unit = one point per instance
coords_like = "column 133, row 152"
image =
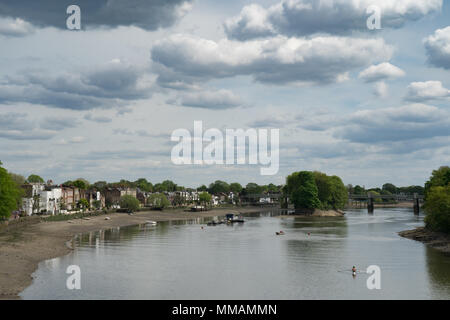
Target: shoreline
column 437, row 240
column 23, row 248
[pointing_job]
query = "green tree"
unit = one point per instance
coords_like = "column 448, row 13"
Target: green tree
column 323, row 184
column 158, row 201
column 253, row 188
column 437, row 209
column 302, row 190
column 18, row 179
column 219, row 187
column 358, row 190
column 204, row 198
column 81, row 184
column 129, row 203
column 35, row 179
column 389, row 187
column 144, row 185
column 235, row 187
column 339, row 193
column 10, row 194
column 83, row 204
column 202, row 188
column 439, row 178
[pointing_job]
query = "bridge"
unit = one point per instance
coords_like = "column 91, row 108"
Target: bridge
column 370, row 198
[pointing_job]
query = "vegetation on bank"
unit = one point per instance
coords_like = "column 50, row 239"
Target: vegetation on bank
column 10, row 194
column 437, row 200
column 316, row 190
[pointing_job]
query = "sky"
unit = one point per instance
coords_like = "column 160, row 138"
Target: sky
column 368, row 105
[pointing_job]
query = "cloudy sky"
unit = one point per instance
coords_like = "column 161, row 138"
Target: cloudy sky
column 371, row 106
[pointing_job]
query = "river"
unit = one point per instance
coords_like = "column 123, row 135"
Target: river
column 180, row 260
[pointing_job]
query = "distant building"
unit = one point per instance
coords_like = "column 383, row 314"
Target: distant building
column 40, row 198
column 113, row 195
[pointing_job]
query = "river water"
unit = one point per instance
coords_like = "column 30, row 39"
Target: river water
column 180, row 260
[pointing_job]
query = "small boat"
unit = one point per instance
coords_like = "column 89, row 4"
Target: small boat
column 153, row 223
column 231, row 218
column 281, row 233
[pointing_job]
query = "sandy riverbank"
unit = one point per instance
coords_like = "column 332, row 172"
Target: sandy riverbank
column 437, row 240
column 22, row 248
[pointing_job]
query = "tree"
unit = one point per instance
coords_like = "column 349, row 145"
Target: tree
column 358, row 190
column 158, row 201
column 437, row 209
column 204, row 198
column 35, row 179
column 83, row 204
column 129, row 202
column 81, row 184
column 253, row 188
column 236, row 187
column 323, row 184
column 10, row 194
column 302, row 190
column 389, row 187
column 144, row 185
column 219, row 187
column 439, row 178
column 339, row 193
column 202, row 188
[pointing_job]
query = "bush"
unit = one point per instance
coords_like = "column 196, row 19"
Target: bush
column 438, row 209
column 129, row 203
column 158, row 201
column 10, row 194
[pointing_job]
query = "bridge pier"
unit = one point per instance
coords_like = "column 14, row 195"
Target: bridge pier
column 370, row 203
column 416, row 204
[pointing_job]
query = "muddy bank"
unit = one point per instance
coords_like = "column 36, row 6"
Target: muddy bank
column 314, row 213
column 437, row 240
column 23, row 246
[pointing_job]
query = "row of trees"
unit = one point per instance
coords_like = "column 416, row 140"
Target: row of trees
column 386, row 189
column 315, row 190
column 437, row 200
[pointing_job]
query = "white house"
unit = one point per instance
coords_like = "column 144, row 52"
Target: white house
column 41, row 199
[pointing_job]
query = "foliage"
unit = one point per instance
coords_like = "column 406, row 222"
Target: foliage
column 81, row 184
column 202, row 188
column 392, row 189
column 236, row 187
column 129, row 202
column 439, row 178
column 358, row 190
column 35, row 179
column 18, row 179
column 144, row 185
column 158, row 201
column 10, row 194
column 437, row 209
column 302, row 190
column 165, row 186
column 253, row 188
column 204, row 198
column 219, row 187
column 83, row 204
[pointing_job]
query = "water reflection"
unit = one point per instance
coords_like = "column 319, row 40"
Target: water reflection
column 182, row 260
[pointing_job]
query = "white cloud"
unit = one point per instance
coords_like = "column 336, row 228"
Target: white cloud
column 381, row 71
column 15, row 27
column 428, row 90
column 381, row 89
column 306, row 17
column 438, row 48
column 278, row 60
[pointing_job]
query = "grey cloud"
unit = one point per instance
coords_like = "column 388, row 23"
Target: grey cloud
column 58, row 123
column 306, row 17
column 209, row 99
column 279, row 60
column 110, row 85
column 98, row 119
column 123, row 154
column 146, row 14
column 17, row 126
column 437, row 47
column 404, row 123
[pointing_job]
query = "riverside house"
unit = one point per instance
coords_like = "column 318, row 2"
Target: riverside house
column 113, row 195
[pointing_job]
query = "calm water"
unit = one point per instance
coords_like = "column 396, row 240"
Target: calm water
column 179, row 260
